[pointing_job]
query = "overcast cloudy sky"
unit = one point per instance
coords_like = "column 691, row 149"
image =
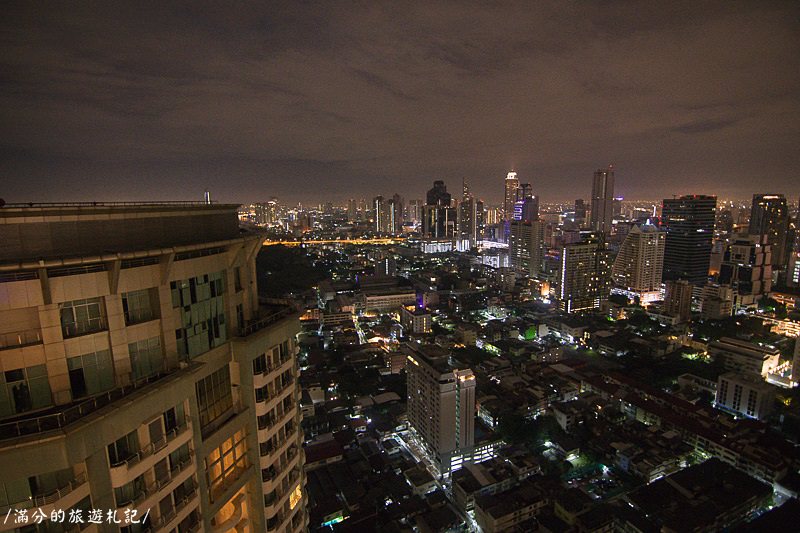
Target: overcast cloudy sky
column 323, row 101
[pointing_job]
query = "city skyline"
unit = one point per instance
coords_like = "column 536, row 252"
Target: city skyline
column 133, row 104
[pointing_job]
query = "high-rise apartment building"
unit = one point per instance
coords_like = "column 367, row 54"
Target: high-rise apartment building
column 470, row 219
column 526, row 247
column 584, row 274
column 603, row 200
column 678, row 299
column 639, row 264
column 139, row 371
column 769, row 216
column 689, row 223
column 441, row 405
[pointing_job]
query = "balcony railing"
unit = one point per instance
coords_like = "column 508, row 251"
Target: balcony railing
column 153, row 447
column 264, row 321
column 72, row 413
column 17, row 339
column 78, row 329
column 40, row 500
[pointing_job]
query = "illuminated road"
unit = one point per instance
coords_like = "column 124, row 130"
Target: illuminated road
column 393, row 240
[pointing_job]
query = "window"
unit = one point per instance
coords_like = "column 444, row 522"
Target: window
column 227, row 462
column 81, row 317
column 129, row 491
column 202, row 311
column 146, row 357
column 140, row 306
column 24, row 389
column 90, row 373
column 123, row 449
column 260, row 364
column 214, row 397
column 237, row 279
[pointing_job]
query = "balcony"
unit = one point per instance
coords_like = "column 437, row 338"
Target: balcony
column 268, row 316
column 19, row 339
column 58, row 418
column 149, row 455
column 178, row 513
column 57, row 498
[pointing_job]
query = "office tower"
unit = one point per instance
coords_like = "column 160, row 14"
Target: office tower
column 617, row 207
column 470, row 222
column 602, row 200
column 769, row 216
column 678, row 299
column 439, row 218
column 441, row 405
column 394, row 214
column 580, row 210
column 747, row 268
column 689, row 223
column 140, row 372
column 639, row 264
column 584, row 274
column 510, row 195
column 380, row 215
column 415, row 211
column 526, row 247
column 352, row 210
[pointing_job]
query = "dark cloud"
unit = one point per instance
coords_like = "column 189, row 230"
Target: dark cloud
column 316, row 100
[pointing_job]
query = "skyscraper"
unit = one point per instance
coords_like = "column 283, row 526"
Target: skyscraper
column 510, row 196
column 526, row 246
column 639, row 264
column 769, row 216
column 380, row 214
column 603, row 200
column 747, row 268
column 142, row 373
column 689, row 223
column 439, row 220
column 441, row 405
column 470, row 218
column 584, row 274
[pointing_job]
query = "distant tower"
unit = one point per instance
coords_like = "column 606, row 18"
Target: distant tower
column 207, row 197
column 689, row 222
column 770, row 216
column 603, row 199
column 512, row 184
column 640, row 262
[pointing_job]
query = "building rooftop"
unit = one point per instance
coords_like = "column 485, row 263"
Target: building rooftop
column 33, row 232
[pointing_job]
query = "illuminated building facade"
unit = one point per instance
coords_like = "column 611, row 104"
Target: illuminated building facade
column 526, row 247
column 139, row 371
column 510, row 195
column 441, row 405
column 639, row 264
column 584, row 275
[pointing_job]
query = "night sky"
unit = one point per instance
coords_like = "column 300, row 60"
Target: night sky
column 318, row 102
